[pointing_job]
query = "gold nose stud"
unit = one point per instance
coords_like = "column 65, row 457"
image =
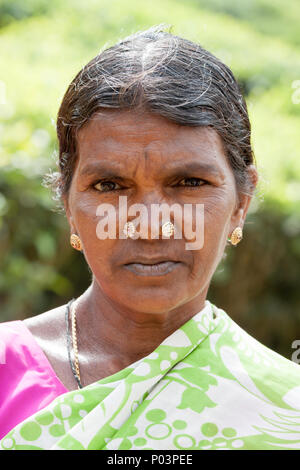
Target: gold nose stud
column 129, row 230
column 168, row 229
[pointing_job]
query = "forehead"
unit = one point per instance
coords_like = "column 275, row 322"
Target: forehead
column 115, row 134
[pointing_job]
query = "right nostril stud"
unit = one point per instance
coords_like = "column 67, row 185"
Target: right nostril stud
column 129, row 229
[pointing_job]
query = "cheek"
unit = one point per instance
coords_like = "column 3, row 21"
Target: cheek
column 85, row 220
column 96, row 251
column 217, row 214
column 83, row 207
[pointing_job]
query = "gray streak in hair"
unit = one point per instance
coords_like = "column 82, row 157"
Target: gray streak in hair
column 166, row 75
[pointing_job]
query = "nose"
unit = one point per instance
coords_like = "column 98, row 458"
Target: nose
column 152, row 217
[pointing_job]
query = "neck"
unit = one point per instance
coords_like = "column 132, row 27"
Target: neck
column 127, row 334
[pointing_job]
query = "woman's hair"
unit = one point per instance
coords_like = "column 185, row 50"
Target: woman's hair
column 166, row 75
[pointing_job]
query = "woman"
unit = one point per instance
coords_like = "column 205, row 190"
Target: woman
column 142, row 359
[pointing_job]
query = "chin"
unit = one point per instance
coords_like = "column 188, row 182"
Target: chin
column 152, row 300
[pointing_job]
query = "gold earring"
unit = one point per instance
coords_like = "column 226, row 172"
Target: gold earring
column 75, row 242
column 236, row 236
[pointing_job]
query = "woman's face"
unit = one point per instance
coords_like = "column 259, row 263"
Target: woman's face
column 151, row 160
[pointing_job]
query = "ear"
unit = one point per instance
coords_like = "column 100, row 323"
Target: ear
column 240, row 213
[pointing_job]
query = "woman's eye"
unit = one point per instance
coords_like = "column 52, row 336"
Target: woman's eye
column 192, row 182
column 105, row 186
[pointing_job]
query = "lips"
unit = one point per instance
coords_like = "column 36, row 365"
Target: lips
column 150, row 260
column 152, row 266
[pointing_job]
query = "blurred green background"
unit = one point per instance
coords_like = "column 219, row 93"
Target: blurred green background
column 44, row 44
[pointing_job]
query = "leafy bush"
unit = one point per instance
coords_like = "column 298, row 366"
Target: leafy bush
column 16, row 10
column 44, row 44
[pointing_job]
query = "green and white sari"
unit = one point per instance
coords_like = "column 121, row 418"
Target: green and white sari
column 209, row 385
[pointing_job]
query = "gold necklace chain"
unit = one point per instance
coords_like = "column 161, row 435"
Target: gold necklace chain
column 74, row 338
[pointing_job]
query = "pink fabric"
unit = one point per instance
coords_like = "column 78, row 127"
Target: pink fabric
column 27, row 381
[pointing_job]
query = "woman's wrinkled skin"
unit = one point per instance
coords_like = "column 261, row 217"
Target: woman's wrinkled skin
column 123, row 316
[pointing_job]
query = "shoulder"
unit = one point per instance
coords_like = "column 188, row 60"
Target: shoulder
column 259, row 369
column 49, row 325
column 49, row 331
column 24, row 343
column 12, row 335
column 34, row 347
column 249, row 349
column 20, row 338
column 28, row 382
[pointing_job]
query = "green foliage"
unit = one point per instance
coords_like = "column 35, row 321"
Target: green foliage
column 274, row 18
column 31, row 235
column 16, row 10
column 44, row 44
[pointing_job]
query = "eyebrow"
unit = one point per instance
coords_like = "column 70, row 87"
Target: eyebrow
column 109, row 169
column 192, row 167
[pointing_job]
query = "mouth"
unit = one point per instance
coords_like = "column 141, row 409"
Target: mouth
column 159, row 267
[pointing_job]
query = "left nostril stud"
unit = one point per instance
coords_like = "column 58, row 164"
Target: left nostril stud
column 167, row 229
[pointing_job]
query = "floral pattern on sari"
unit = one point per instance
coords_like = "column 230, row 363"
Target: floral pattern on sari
column 209, row 385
